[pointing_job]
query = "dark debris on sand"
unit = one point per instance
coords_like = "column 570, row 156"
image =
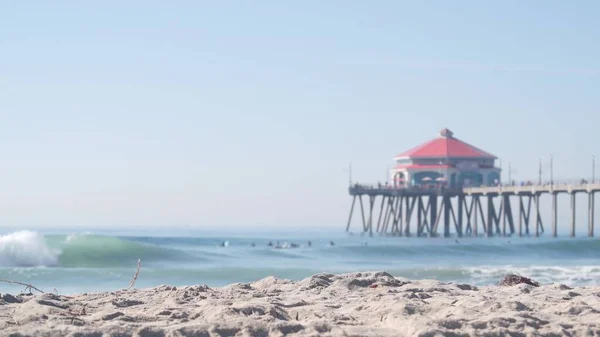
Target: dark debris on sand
column 511, row 280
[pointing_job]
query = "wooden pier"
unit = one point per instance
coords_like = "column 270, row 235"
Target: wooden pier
column 472, row 211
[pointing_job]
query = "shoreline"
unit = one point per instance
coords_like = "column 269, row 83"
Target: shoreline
column 353, row 304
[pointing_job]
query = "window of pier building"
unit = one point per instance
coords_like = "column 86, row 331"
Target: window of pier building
column 470, row 179
column 493, row 178
column 425, row 177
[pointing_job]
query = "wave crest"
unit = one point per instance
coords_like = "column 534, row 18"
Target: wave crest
column 26, row 249
column 88, row 250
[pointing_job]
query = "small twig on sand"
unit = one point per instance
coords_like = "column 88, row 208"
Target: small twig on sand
column 137, row 272
column 75, row 316
column 27, row 286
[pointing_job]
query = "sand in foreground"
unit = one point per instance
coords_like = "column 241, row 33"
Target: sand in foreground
column 357, row 304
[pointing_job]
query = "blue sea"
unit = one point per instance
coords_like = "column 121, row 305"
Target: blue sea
column 86, row 262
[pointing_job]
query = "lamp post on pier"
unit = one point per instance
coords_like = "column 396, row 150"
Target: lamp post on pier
column 540, row 173
column 387, row 174
column 593, row 169
column 551, row 170
column 500, row 167
column 349, row 170
column 511, row 173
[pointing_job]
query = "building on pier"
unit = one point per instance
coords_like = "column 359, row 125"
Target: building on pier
column 452, row 187
column 445, row 160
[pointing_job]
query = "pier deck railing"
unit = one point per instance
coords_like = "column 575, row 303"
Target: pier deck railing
column 535, row 189
column 563, row 186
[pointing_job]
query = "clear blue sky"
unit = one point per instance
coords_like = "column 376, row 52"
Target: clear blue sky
column 147, row 113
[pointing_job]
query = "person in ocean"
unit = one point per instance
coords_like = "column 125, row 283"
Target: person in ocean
column 309, row 243
column 270, row 244
column 331, row 243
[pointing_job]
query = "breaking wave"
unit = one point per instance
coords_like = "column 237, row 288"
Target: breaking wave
column 31, row 249
column 27, row 249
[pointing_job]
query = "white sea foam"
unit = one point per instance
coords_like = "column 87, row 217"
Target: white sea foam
column 72, row 237
column 26, row 249
column 571, row 275
column 75, row 236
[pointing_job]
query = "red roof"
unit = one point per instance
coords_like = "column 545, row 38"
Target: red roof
column 424, row 167
column 446, row 146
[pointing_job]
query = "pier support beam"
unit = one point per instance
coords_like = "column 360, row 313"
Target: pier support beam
column 407, row 214
column 419, row 216
column 447, row 209
column 474, row 204
column 521, row 215
column 524, row 215
column 468, row 228
column 362, row 212
column 386, row 215
column 554, row 215
column 509, row 215
column 396, row 207
column 503, row 203
column 483, row 223
column 433, row 214
column 459, row 225
column 538, row 220
column 573, row 205
column 591, row 214
column 389, row 216
column 351, row 211
column 537, row 213
column 410, row 206
column 400, row 216
column 491, row 216
column 380, row 217
column 371, row 205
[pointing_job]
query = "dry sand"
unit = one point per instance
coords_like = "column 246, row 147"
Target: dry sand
column 357, row 304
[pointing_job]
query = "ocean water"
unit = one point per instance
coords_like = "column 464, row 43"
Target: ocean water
column 86, row 262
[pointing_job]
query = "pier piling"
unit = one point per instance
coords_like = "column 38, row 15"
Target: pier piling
column 459, row 223
column 351, row 211
column 591, row 214
column 537, row 214
column 573, row 206
column 554, row 214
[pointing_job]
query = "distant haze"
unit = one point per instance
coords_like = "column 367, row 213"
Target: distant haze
column 240, row 114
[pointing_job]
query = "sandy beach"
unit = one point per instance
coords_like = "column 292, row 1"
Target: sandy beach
column 356, row 304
